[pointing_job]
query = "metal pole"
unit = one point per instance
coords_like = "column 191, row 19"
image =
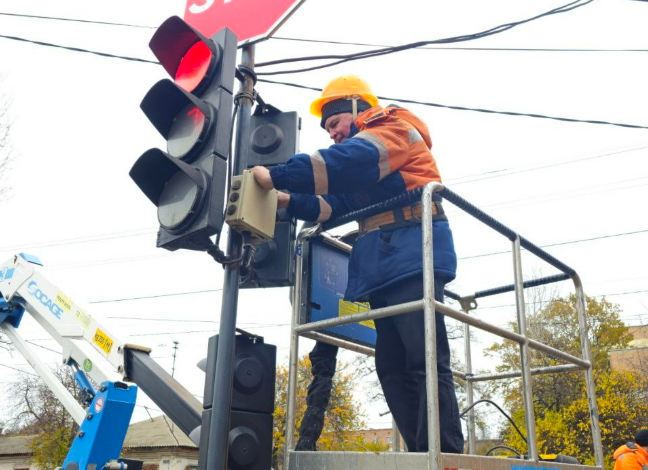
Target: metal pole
column 294, row 353
column 589, row 372
column 431, row 377
column 525, row 358
column 469, row 384
column 396, row 437
column 222, row 395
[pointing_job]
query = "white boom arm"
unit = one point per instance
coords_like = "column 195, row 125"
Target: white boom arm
column 82, row 338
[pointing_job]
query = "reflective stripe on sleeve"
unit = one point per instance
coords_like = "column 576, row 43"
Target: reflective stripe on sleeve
column 320, row 174
column 383, row 153
column 325, row 210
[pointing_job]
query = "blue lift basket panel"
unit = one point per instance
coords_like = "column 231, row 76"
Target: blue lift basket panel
column 327, row 282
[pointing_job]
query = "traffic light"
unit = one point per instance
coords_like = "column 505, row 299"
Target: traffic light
column 274, row 138
column 253, row 400
column 194, row 114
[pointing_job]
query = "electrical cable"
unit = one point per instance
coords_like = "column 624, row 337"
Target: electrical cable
column 501, row 446
column 79, row 49
column 479, row 110
column 76, row 20
column 495, row 49
column 390, row 50
column 560, row 243
column 399, row 100
column 491, row 402
column 154, row 296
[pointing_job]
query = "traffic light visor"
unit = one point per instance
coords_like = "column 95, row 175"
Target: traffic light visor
column 187, row 56
column 177, row 189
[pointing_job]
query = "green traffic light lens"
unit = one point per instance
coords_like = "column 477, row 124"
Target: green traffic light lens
column 187, row 129
column 177, row 201
column 194, row 67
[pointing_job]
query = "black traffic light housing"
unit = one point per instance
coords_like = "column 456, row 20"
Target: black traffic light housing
column 194, row 114
column 274, row 138
column 253, row 401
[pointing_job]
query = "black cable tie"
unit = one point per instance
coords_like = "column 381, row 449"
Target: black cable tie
column 245, row 70
column 244, row 94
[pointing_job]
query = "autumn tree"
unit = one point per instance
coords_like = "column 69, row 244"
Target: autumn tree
column 560, row 400
column 343, row 414
column 36, row 410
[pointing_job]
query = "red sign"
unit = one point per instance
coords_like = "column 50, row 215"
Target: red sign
column 99, row 405
column 251, row 20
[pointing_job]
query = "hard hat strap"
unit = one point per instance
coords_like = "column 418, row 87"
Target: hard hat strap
column 354, row 103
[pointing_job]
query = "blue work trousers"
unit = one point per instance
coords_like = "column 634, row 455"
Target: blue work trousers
column 400, row 364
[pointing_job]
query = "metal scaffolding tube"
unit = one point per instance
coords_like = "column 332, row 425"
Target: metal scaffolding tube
column 363, row 316
column 469, row 387
column 525, row 357
column 472, row 321
column 294, row 350
column 431, row 379
column 516, row 374
column 589, row 373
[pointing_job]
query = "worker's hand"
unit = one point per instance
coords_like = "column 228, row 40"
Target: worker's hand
column 282, row 200
column 262, row 176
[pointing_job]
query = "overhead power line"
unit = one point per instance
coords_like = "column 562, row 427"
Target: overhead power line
column 79, row 49
column 398, row 100
column 390, row 50
column 561, row 243
column 479, row 110
column 322, row 41
column 454, row 48
column 155, row 296
column 76, row 20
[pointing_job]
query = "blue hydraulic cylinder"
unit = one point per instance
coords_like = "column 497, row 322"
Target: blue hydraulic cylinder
column 101, row 436
column 11, row 312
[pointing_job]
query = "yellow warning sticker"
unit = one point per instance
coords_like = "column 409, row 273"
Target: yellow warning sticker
column 104, row 342
column 82, row 318
column 349, row 308
column 63, row 301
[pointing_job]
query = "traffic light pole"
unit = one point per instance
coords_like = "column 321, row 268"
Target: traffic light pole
column 222, row 396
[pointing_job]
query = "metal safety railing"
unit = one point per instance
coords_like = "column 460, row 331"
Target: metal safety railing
column 467, row 303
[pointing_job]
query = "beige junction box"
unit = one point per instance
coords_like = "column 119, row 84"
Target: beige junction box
column 250, row 208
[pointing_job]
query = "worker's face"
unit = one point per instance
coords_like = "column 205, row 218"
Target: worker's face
column 338, row 126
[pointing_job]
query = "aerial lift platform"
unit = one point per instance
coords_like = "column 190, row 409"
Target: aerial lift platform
column 346, row 330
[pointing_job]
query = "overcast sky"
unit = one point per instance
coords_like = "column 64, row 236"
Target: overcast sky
column 77, row 130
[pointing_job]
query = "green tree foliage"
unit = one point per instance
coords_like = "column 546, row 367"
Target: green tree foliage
column 560, row 400
column 343, row 415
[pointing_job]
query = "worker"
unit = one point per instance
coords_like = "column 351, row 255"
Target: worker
column 379, row 153
column 633, row 455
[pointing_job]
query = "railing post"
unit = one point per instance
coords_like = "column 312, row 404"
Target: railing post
column 294, row 354
column 529, row 413
column 465, row 306
column 431, row 377
column 589, row 372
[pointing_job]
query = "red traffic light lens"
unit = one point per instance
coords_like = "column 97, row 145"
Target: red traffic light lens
column 194, row 66
column 187, row 130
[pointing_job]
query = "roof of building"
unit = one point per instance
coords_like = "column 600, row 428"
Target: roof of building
column 16, row 445
column 156, row 432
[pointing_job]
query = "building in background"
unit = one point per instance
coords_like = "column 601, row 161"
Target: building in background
column 635, row 357
column 156, row 441
column 15, row 452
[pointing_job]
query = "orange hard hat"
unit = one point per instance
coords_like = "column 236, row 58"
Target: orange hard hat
column 346, row 87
